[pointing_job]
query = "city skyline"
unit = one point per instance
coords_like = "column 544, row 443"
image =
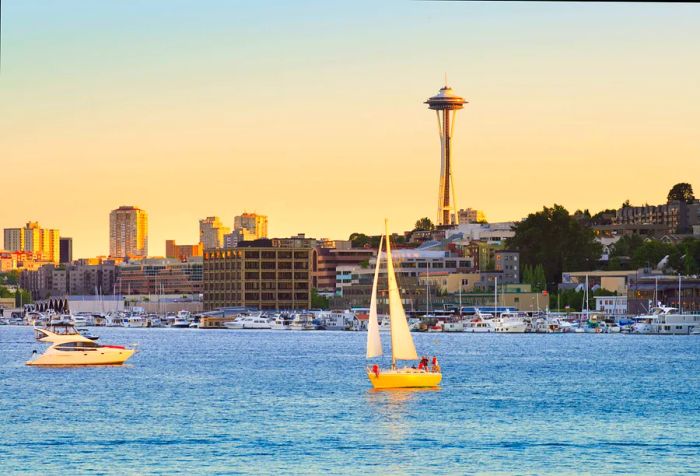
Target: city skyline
column 234, row 119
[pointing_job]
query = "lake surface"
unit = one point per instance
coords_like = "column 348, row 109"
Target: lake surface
column 283, row 402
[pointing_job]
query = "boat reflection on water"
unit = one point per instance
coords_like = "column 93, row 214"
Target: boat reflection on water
column 394, row 407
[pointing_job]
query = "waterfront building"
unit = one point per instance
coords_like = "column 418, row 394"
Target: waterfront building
column 211, row 232
column 326, row 260
column 128, row 232
column 160, row 276
column 646, row 291
column 77, row 278
column 182, row 252
column 611, row 305
column 263, row 274
column 42, row 242
column 66, row 254
column 446, row 104
column 470, row 215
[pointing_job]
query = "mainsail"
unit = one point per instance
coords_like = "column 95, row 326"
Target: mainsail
column 402, row 347
column 374, row 341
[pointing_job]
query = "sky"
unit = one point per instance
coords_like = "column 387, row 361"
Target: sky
column 312, row 112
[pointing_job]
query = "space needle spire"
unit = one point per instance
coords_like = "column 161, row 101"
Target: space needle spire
column 445, row 104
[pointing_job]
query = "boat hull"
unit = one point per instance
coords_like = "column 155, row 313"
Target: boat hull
column 404, row 378
column 100, row 356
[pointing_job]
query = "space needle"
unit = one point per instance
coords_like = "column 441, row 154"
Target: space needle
column 445, row 104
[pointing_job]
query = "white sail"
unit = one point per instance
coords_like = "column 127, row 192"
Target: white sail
column 402, row 347
column 374, row 341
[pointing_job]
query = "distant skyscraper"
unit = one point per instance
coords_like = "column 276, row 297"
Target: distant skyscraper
column 128, row 232
column 43, row 243
column 66, row 250
column 255, row 225
column 211, row 232
column 470, row 215
column 445, row 102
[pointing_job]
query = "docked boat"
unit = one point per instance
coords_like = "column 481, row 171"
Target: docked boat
column 281, row 323
column 302, row 322
column 478, row 325
column 402, row 346
column 255, row 322
column 510, row 323
column 136, row 321
column 74, row 349
column 85, row 332
column 666, row 320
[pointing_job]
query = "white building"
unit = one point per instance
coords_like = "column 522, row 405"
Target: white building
column 492, row 233
column 611, row 305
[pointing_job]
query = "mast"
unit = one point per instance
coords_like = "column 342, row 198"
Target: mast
column 402, row 346
column 680, row 308
column 495, row 296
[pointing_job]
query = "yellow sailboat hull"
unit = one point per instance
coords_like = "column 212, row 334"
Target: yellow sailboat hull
column 404, row 378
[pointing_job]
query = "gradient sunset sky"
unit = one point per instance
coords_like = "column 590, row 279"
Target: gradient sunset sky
column 312, row 113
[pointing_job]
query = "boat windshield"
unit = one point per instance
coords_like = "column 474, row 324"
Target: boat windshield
column 77, row 346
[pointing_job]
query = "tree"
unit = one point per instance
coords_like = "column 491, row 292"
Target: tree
column 424, row 224
column 22, row 296
column 318, row 301
column 682, row 192
column 626, row 204
column 556, row 241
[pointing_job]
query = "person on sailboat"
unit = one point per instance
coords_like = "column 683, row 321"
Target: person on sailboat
column 423, row 364
column 436, row 366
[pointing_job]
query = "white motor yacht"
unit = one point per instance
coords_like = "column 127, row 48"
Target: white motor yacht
column 510, row 323
column 478, row 325
column 256, row 322
column 666, row 320
column 302, row 322
column 280, row 323
column 136, row 321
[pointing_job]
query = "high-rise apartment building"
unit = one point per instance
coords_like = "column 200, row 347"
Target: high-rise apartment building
column 128, row 232
column 42, row 242
column 66, row 255
column 211, row 232
column 254, row 224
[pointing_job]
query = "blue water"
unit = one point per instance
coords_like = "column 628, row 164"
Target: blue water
column 265, row 402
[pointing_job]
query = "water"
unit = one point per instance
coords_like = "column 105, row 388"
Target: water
column 299, row 403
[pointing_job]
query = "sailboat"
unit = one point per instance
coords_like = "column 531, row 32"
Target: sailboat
column 402, row 346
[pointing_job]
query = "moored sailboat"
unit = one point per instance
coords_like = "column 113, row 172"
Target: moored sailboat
column 402, row 346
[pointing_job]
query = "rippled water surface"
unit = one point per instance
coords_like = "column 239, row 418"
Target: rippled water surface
column 263, row 402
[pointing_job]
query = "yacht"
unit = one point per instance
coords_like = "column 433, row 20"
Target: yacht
column 236, row 323
column 281, row 323
column 182, row 320
column 478, row 325
column 255, row 322
column 136, row 321
column 302, row 322
column 452, row 326
column 666, row 320
column 85, row 332
column 384, row 323
column 74, row 349
column 510, row 323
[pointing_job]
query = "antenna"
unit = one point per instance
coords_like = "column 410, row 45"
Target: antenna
column 445, row 78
